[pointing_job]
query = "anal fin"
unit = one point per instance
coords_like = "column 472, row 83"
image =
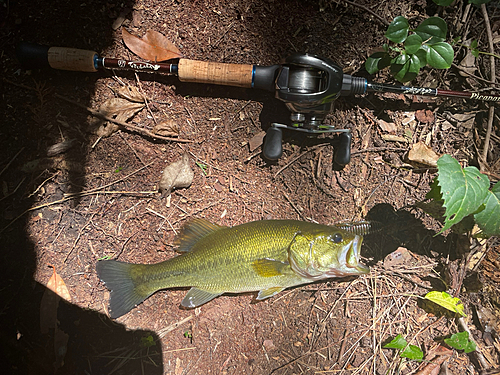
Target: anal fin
column 197, row 297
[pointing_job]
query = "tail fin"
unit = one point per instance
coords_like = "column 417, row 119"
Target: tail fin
column 125, row 294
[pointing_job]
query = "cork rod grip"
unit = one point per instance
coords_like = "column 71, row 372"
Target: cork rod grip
column 71, row 59
column 216, row 73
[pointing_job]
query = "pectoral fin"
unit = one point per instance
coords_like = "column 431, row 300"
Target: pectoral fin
column 197, row 297
column 269, row 267
column 266, row 293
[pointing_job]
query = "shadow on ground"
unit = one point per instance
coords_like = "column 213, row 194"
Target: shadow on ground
column 32, row 121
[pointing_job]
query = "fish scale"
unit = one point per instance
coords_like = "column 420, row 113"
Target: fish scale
column 265, row 256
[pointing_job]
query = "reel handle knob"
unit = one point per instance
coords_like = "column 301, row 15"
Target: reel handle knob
column 343, row 151
column 272, row 148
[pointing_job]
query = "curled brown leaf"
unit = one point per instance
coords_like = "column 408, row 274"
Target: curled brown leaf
column 153, row 46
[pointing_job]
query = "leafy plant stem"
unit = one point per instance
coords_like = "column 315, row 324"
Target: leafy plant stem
column 478, row 51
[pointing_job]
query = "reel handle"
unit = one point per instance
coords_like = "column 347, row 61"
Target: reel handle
column 343, row 151
column 272, row 148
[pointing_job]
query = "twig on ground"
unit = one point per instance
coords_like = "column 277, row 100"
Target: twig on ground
column 491, row 112
column 380, row 18
column 11, row 161
column 68, row 197
column 298, row 157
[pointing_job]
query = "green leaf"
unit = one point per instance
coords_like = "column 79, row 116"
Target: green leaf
column 203, row 167
column 440, row 55
column 413, row 43
column 432, row 30
column 397, row 343
column 147, row 341
column 445, row 300
column 412, row 352
column 460, row 341
column 443, row 3
column 489, row 218
column 405, row 67
column 422, row 56
column 377, row 61
column 398, row 30
column 462, row 190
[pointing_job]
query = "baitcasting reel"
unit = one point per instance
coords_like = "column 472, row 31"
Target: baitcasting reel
column 308, row 85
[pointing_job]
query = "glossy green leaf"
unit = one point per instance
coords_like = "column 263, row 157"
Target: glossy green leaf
column 460, row 341
column 412, row 352
column 422, row 56
column 440, row 55
column 407, row 351
column 397, row 342
column 377, row 61
column 462, row 190
column 405, row 67
column 398, row 30
column 445, row 300
column 489, row 218
column 413, row 43
column 432, row 30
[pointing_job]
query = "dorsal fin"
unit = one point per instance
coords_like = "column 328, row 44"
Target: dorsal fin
column 194, row 231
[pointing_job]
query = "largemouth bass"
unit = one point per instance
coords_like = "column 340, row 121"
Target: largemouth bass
column 265, row 256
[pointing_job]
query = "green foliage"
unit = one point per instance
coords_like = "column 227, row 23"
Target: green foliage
column 424, row 46
column 405, row 350
column 147, row 341
column 445, row 300
column 203, row 167
column 464, row 194
column 460, row 341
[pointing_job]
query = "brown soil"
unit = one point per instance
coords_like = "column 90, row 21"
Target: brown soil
column 100, row 197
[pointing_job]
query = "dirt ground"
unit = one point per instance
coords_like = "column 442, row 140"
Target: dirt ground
column 100, row 198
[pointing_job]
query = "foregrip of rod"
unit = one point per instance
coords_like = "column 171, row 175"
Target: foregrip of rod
column 215, row 73
column 35, row 56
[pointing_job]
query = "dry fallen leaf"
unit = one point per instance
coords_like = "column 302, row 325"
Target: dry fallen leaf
column 423, row 154
column 153, row 46
column 56, row 289
column 389, row 127
column 131, row 93
column 256, row 140
column 167, row 128
column 176, row 175
column 119, row 109
column 425, row 116
column 468, row 63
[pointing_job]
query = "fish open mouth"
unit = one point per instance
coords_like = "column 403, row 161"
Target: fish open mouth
column 353, row 254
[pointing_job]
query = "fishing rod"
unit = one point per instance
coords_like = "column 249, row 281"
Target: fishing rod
column 307, row 84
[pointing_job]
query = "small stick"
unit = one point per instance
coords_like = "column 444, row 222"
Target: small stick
column 11, row 160
column 380, row 18
column 491, row 112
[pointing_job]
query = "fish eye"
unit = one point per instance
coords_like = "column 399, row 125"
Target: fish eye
column 337, row 238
